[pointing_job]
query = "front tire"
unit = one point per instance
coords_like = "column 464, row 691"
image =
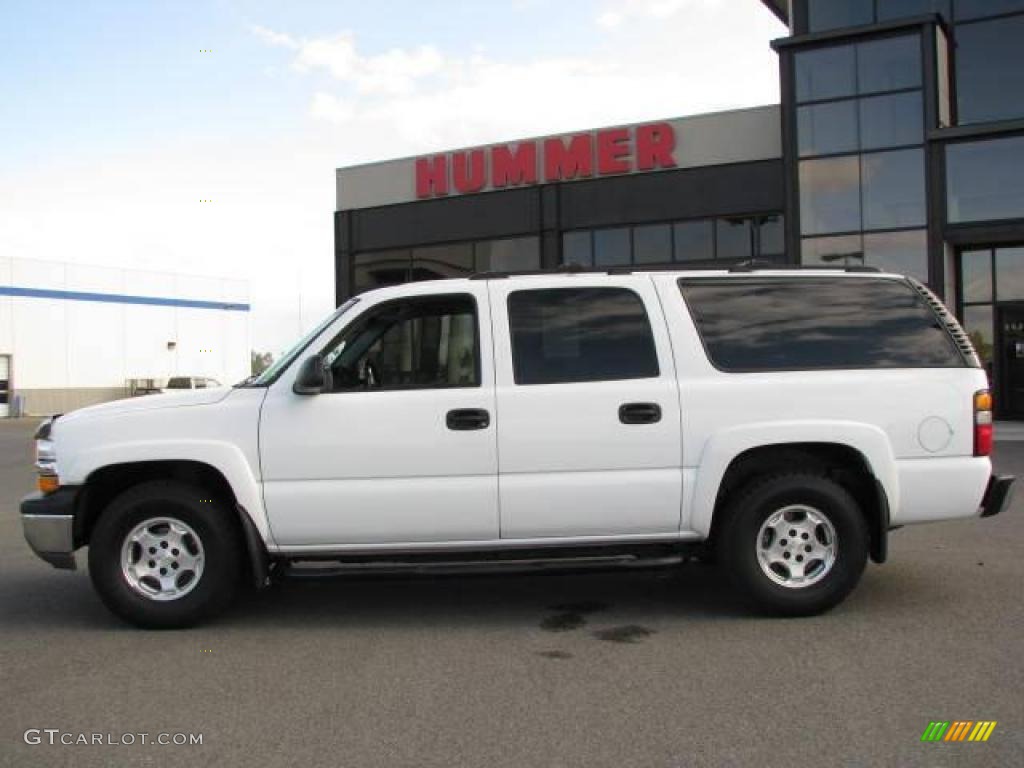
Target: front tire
column 794, row 544
column 165, row 555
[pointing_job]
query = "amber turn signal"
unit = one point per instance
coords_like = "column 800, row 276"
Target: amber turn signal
column 48, row 483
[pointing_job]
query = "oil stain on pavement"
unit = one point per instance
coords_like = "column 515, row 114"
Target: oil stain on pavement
column 628, row 633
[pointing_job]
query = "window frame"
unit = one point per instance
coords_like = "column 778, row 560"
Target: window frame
column 424, row 298
column 516, row 376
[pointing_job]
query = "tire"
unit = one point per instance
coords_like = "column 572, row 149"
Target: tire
column 174, row 527
column 757, row 549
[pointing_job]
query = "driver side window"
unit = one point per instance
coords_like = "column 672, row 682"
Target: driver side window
column 420, row 343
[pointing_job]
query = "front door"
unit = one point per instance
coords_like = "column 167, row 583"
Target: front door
column 401, row 446
column 1010, row 337
column 589, row 440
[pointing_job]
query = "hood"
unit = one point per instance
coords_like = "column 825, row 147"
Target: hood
column 181, row 399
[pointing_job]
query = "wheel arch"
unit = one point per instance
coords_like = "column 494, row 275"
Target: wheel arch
column 860, row 459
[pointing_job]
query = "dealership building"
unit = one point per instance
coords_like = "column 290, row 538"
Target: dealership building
column 899, row 144
column 74, row 334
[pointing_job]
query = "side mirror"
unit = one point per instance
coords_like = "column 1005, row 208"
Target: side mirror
column 312, row 377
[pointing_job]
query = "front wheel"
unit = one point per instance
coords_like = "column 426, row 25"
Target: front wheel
column 794, row 544
column 165, row 555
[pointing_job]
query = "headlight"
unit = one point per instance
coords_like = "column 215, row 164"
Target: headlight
column 46, row 459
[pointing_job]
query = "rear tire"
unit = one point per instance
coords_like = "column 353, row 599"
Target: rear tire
column 794, row 544
column 165, row 555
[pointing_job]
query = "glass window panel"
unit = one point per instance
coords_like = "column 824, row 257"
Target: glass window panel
column 985, row 180
column 1010, row 274
column 905, row 253
column 894, row 189
column 898, row 9
column 836, row 14
column 515, row 254
column 611, row 247
column 562, row 335
column 380, row 268
column 990, row 70
column 652, row 244
column 422, row 343
column 830, row 195
column 772, row 240
column 576, row 248
column 891, row 121
column 889, row 64
column 694, row 240
column 976, row 275
column 440, row 261
column 827, row 128
column 980, row 327
column 735, row 238
column 827, row 73
column 765, row 324
column 976, row 9
column 845, row 251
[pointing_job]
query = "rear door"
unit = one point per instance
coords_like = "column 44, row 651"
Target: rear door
column 588, row 433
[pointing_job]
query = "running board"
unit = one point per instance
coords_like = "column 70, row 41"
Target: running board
column 440, row 568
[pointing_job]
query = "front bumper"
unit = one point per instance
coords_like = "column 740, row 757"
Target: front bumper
column 49, row 524
column 997, row 495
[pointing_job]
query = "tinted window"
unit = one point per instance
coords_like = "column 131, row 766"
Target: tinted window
column 905, row 253
column 735, row 238
column 179, row 382
column 990, row 70
column 976, row 275
column 611, row 247
column 763, row 324
column 891, row 121
column 985, row 180
column 424, row 343
column 381, row 268
column 830, row 195
column 896, row 9
column 508, row 255
column 652, row 244
column 893, row 189
column 576, row 248
column 564, row 335
column 827, row 128
column 828, row 73
column 976, row 9
column 694, row 240
column 889, row 64
column 835, row 14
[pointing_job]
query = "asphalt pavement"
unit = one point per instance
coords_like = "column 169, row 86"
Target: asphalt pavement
column 659, row 668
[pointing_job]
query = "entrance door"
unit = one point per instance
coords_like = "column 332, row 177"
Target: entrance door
column 1011, row 360
column 5, row 386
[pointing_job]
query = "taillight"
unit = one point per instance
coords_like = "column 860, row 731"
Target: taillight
column 982, row 423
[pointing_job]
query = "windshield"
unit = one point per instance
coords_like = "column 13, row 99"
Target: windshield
column 286, row 359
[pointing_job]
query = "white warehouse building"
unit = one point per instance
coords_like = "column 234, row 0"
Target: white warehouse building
column 73, row 335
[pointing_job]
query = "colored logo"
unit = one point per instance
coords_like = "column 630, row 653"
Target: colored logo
column 959, row 730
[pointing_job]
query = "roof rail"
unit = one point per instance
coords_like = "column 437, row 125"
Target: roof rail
column 750, row 265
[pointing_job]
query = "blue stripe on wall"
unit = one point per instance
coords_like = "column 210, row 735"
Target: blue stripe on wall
column 119, row 298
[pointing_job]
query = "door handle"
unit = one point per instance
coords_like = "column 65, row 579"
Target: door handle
column 462, row 419
column 640, row 413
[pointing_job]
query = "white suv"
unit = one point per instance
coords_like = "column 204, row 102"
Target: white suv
column 780, row 422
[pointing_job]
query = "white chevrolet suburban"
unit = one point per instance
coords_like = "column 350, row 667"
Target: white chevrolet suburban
column 779, row 422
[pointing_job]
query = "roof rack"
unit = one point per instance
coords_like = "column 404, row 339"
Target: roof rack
column 750, row 265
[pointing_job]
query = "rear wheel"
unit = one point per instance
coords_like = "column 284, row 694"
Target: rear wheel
column 794, row 544
column 164, row 555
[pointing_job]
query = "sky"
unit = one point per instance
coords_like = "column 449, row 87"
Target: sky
column 118, row 118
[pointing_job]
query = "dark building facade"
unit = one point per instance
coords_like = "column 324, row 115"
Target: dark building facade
column 899, row 143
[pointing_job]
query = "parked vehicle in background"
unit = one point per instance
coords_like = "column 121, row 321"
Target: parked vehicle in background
column 191, row 382
column 781, row 422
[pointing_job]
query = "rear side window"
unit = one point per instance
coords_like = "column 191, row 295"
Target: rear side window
column 562, row 335
column 778, row 324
